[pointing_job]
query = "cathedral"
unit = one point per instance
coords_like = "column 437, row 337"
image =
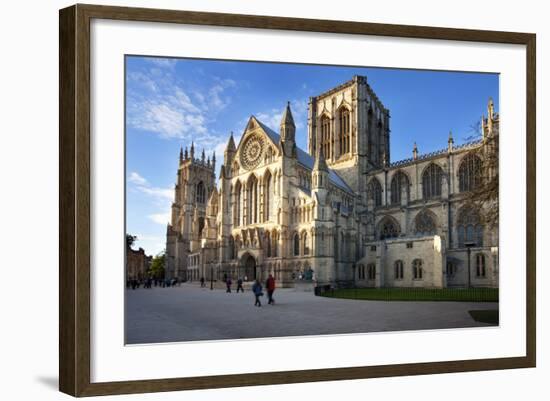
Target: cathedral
column 341, row 213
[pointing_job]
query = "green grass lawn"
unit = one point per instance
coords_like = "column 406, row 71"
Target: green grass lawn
column 416, row 294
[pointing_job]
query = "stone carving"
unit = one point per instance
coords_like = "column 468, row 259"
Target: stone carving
column 252, row 151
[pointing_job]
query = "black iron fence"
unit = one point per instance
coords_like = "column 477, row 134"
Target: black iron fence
column 477, row 294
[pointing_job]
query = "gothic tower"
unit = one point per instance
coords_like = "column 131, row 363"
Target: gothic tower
column 195, row 183
column 351, row 125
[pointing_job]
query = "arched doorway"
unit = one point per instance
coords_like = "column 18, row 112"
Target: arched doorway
column 249, row 267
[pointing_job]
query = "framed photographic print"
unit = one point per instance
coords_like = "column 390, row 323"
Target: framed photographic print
column 327, row 191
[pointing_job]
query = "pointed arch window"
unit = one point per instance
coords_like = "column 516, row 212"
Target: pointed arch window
column 469, row 173
column 345, row 131
column 431, row 181
column 480, row 265
column 371, row 271
column 425, row 223
column 398, row 267
column 388, row 228
column 200, row 193
column 417, row 269
column 451, row 269
column 268, row 196
column 469, row 228
column 399, row 184
column 361, row 272
column 305, row 245
column 252, row 205
column 274, row 244
column 375, row 192
column 296, row 245
column 325, row 136
column 237, row 200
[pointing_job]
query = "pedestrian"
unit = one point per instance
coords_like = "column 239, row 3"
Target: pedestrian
column 257, row 290
column 228, row 284
column 202, row 282
column 240, row 285
column 270, row 286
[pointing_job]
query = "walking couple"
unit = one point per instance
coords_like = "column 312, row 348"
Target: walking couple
column 258, row 291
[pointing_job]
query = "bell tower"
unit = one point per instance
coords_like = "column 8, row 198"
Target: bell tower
column 351, row 125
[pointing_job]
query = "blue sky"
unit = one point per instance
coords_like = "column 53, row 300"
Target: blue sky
column 171, row 102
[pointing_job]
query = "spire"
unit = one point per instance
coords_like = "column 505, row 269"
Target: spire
column 288, row 131
column 203, row 155
column 450, row 142
column 186, row 154
column 287, row 117
column 231, row 143
column 192, row 151
column 320, row 172
column 181, row 154
column 228, row 154
column 320, row 163
column 415, row 152
column 490, row 119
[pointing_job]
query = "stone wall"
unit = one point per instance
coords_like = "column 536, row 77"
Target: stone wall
column 383, row 255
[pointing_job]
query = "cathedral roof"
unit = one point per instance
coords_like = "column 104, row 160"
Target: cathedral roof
column 306, row 160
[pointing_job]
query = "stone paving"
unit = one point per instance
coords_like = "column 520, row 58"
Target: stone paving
column 190, row 313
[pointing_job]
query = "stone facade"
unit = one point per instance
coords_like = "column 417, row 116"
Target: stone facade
column 339, row 214
column 137, row 264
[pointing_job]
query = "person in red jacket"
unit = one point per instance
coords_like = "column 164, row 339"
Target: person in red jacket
column 270, row 286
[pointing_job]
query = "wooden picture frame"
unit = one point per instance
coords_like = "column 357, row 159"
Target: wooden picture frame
column 75, row 207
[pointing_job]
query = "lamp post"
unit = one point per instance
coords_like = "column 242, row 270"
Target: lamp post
column 469, row 246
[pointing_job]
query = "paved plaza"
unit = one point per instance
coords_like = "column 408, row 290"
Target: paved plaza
column 190, row 313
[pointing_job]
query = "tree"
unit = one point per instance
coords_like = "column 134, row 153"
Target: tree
column 484, row 196
column 157, row 265
column 130, row 240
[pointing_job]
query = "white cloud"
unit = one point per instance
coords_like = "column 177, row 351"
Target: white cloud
column 220, row 149
column 152, row 244
column 160, row 218
column 166, row 193
column 158, row 103
column 135, row 178
column 272, row 118
column 162, row 199
column 162, row 62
